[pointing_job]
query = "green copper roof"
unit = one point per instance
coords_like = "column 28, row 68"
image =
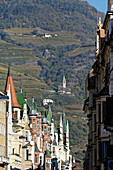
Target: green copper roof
column 20, row 99
column 36, row 148
column 47, row 153
column 33, row 105
column 55, row 129
column 49, row 116
column 64, row 79
column 64, row 124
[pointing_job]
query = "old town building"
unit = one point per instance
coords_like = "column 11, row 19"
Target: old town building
column 29, row 138
column 4, row 160
column 99, row 99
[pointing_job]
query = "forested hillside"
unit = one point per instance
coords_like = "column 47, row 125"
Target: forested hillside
column 53, row 15
column 39, row 63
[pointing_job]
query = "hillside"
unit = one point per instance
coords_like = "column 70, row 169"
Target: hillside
column 38, row 63
column 53, row 15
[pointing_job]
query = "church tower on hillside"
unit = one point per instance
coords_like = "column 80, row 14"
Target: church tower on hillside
column 63, row 89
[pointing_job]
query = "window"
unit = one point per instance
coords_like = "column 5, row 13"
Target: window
column 95, row 122
column 35, row 138
column 15, row 115
column 47, row 165
column 27, row 152
column 53, row 165
column 26, row 135
column 48, row 131
column 13, row 151
column 34, row 123
column 45, row 130
column 36, row 159
column 19, row 149
column 37, row 125
column 40, row 160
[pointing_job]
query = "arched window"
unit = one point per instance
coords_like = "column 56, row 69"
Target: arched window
column 19, row 149
column 40, row 160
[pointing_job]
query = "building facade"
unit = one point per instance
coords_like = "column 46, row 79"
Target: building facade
column 99, row 99
column 29, row 138
column 4, row 160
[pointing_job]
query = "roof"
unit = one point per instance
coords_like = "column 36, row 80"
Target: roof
column 20, row 99
column 48, row 153
column 9, row 81
column 64, row 123
column 55, row 129
column 4, row 97
column 49, row 116
column 1, row 94
column 91, row 73
column 27, row 127
column 64, row 79
column 36, row 148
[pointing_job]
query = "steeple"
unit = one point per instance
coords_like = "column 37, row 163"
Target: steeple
column 64, row 123
column 49, row 116
column 67, row 132
column 33, row 105
column 9, row 81
column 20, row 99
column 21, row 89
column 33, row 99
column 9, row 72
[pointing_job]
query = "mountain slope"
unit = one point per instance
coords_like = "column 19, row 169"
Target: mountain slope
column 53, row 15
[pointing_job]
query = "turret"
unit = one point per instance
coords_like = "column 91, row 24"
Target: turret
column 61, row 129
column 64, row 129
column 67, row 132
column 9, row 81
